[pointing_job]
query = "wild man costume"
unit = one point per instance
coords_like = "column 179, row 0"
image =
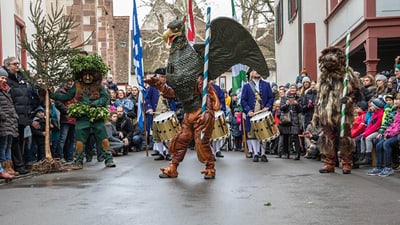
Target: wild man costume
column 327, row 114
column 230, row 44
column 91, row 109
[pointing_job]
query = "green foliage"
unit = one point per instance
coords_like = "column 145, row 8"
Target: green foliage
column 51, row 46
column 92, row 63
column 78, row 110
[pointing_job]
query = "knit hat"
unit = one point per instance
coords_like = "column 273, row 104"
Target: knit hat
column 378, row 103
column 363, row 105
column 39, row 109
column 381, row 77
column 3, row 72
column 389, row 96
column 109, row 76
column 398, row 66
column 306, row 79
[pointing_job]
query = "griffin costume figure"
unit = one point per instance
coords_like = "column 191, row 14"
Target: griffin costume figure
column 90, row 110
column 327, row 114
column 230, row 44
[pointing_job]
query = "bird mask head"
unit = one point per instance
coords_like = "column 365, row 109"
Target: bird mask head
column 175, row 29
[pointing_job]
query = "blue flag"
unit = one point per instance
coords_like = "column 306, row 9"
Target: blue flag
column 137, row 58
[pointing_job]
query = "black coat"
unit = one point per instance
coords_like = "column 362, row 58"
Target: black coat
column 8, row 115
column 24, row 96
column 294, row 127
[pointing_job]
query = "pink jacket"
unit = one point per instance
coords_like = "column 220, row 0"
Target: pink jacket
column 375, row 124
column 394, row 128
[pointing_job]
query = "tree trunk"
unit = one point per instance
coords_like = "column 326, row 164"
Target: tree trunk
column 47, row 135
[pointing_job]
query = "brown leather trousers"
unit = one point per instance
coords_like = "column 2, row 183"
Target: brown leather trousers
column 191, row 127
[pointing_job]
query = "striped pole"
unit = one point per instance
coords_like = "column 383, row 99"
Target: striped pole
column 205, row 74
column 346, row 80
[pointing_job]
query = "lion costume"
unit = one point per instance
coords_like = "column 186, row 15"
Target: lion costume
column 327, row 114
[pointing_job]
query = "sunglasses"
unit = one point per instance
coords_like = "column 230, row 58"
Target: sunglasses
column 15, row 64
column 257, row 77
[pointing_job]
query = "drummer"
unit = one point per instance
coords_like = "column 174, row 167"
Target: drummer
column 216, row 144
column 257, row 96
column 155, row 105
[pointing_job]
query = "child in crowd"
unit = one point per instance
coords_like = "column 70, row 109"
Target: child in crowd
column 359, row 125
column 237, row 129
column 38, row 135
column 116, row 144
column 371, row 131
column 385, row 145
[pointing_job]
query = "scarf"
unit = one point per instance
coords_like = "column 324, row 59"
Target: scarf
column 4, row 86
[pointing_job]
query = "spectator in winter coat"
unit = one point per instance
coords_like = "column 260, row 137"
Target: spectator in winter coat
column 25, row 100
column 359, row 125
column 292, row 104
column 368, row 87
column 371, row 131
column 385, row 145
column 8, row 127
column 309, row 101
column 38, row 134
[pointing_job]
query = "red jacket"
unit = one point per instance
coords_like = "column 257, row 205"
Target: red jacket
column 374, row 124
column 359, row 125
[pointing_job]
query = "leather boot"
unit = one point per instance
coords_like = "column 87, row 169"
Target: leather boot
column 329, row 166
column 346, row 161
column 10, row 168
column 169, row 172
column 367, row 159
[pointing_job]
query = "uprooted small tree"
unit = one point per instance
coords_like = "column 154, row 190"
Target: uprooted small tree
column 50, row 51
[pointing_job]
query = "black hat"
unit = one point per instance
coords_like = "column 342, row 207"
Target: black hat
column 249, row 71
column 160, row 71
column 363, row 105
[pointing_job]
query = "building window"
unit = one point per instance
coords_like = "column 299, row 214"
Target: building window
column 20, row 53
column 292, row 9
column 279, row 21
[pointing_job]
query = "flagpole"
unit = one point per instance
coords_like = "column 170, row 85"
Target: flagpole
column 346, row 79
column 137, row 59
column 205, row 74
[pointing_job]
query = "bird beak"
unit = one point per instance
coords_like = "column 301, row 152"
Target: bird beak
column 166, row 35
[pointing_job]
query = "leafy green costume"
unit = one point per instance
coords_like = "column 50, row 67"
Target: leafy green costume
column 91, row 108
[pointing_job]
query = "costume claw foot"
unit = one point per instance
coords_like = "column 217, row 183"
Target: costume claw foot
column 327, row 169
column 169, row 172
column 208, row 173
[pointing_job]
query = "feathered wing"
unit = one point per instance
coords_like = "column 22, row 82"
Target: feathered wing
column 231, row 44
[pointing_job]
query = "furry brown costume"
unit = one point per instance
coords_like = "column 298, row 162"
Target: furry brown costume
column 328, row 112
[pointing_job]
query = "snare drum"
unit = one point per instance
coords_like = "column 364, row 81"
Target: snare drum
column 220, row 127
column 166, row 125
column 264, row 126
